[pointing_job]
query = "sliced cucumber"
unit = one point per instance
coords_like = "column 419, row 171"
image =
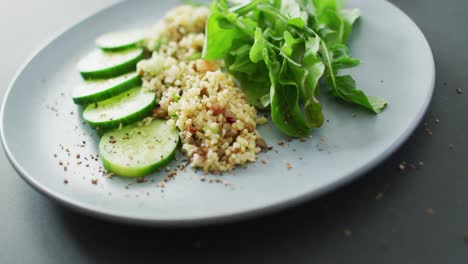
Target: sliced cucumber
column 117, row 41
column 100, row 64
column 99, row 90
column 135, row 151
column 126, row 108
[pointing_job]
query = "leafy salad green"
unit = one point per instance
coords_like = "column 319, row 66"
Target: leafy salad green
column 282, row 52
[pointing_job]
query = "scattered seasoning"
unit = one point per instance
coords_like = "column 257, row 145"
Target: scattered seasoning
column 281, row 143
column 428, row 131
column 354, row 115
column 109, row 175
column 301, row 158
column 379, row 196
column 459, row 91
column 451, row 146
column 65, row 168
column 95, row 182
column 197, row 244
column 55, row 155
column 65, row 181
column 264, row 161
column 141, row 180
column 111, row 140
column 323, row 138
column 78, row 156
column 348, row 232
column 429, row 211
column 303, row 139
column 203, row 179
column 402, row 166
column 381, row 81
column 289, row 165
column 171, row 174
column 60, row 163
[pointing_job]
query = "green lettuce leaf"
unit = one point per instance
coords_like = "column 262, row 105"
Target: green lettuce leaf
column 285, row 110
column 282, row 52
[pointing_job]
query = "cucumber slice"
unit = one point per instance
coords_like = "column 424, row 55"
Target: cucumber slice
column 135, row 151
column 99, row 90
column 117, row 41
column 126, row 108
column 100, row 64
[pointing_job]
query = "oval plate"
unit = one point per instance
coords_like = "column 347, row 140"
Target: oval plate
column 41, row 127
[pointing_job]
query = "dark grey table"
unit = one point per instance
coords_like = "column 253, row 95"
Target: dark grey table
column 415, row 215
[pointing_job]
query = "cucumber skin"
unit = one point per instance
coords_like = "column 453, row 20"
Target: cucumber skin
column 121, row 48
column 138, row 172
column 115, row 71
column 103, row 95
column 138, row 116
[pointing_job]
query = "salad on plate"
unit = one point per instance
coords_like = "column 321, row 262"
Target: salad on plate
column 202, row 79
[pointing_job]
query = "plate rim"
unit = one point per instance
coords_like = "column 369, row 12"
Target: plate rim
column 93, row 211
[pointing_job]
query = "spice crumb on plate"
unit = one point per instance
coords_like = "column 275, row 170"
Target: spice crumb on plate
column 429, row 211
column 402, row 166
column 141, row 180
column 348, row 232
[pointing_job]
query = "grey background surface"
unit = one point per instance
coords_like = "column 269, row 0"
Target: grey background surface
column 387, row 216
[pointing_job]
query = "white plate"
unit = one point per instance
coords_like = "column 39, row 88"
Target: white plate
column 39, row 118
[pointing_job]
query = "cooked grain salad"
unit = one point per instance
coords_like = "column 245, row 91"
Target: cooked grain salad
column 217, row 126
